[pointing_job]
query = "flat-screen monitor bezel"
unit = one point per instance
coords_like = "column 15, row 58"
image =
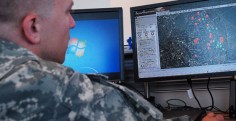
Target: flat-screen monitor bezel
column 134, row 45
column 119, row 15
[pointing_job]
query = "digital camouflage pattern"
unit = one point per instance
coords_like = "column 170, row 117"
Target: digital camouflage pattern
column 32, row 89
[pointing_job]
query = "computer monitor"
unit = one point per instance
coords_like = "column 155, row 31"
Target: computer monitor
column 184, row 39
column 96, row 42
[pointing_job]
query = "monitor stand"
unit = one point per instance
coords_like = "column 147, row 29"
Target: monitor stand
column 146, row 90
column 232, row 98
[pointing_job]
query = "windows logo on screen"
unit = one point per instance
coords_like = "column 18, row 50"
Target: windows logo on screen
column 76, row 47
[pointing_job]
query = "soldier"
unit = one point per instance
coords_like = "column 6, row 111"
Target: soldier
column 35, row 86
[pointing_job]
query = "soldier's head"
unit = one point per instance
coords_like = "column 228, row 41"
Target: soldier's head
column 42, row 26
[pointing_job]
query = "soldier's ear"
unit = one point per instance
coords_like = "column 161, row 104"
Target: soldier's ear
column 31, row 28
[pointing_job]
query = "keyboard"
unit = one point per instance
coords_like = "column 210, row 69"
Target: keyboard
column 194, row 113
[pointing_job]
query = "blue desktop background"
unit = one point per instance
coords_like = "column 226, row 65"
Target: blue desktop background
column 102, row 51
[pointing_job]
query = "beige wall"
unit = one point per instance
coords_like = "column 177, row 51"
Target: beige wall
column 125, row 4
column 83, row 4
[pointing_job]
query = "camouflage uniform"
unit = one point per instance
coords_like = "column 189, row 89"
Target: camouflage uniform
column 33, row 89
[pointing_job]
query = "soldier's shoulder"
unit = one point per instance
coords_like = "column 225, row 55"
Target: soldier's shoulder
column 54, row 69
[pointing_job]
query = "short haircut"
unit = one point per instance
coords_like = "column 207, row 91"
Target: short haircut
column 15, row 10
